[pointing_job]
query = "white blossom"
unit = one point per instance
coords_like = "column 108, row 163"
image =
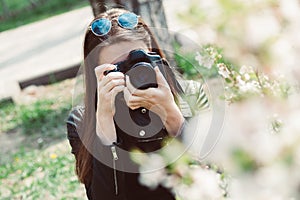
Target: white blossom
column 290, row 9
column 152, row 179
column 205, row 61
column 246, row 70
column 152, row 171
column 171, row 181
column 223, row 70
column 205, row 185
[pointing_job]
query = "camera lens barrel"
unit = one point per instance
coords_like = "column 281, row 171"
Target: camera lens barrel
column 142, row 75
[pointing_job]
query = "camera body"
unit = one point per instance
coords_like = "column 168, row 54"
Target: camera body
column 139, row 66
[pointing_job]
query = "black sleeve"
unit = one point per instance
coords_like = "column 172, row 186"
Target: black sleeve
column 74, row 119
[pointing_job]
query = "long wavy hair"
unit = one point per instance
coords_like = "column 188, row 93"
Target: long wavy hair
column 92, row 50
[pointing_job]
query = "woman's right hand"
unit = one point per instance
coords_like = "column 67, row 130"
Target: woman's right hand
column 108, row 86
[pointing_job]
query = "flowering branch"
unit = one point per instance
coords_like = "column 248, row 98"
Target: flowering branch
column 240, row 83
column 186, row 177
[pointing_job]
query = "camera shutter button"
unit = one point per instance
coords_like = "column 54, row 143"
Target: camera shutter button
column 143, row 110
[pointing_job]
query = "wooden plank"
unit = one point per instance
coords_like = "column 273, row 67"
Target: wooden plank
column 51, row 77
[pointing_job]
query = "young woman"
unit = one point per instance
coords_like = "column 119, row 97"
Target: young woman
column 117, row 117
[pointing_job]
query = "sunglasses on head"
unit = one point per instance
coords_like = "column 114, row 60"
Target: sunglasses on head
column 102, row 26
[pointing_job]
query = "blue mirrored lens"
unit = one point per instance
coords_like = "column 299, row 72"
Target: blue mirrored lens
column 128, row 20
column 101, row 26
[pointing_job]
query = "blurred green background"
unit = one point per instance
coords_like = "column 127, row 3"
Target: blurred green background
column 14, row 13
column 35, row 158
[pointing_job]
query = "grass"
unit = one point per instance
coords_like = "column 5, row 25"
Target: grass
column 36, row 174
column 22, row 12
column 39, row 165
column 43, row 116
column 7, row 116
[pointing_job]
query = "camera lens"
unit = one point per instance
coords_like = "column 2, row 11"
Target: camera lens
column 142, row 75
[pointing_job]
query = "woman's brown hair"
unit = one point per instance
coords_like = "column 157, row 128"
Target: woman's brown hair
column 92, row 48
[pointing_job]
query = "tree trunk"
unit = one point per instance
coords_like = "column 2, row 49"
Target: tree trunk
column 98, row 6
column 152, row 11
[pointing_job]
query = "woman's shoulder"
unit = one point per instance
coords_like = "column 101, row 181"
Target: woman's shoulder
column 73, row 123
column 194, row 98
column 75, row 116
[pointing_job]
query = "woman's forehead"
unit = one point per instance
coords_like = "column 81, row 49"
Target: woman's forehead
column 119, row 51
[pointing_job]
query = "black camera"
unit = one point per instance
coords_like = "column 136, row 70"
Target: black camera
column 139, row 66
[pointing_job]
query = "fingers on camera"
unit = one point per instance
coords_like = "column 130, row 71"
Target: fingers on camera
column 99, row 70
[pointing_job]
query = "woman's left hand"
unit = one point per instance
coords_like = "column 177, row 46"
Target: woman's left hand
column 159, row 100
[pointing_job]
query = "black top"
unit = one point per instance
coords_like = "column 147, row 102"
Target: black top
column 114, row 175
column 139, row 128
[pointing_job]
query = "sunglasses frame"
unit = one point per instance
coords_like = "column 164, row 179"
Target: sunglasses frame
column 110, row 24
